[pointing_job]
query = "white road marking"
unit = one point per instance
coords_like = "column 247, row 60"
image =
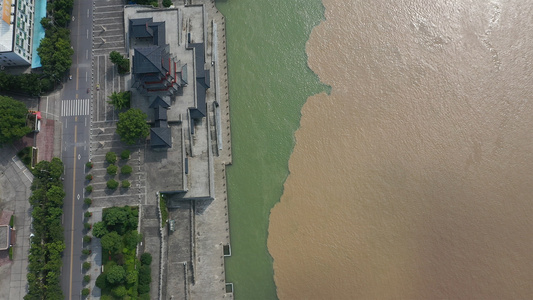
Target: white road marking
column 77, row 107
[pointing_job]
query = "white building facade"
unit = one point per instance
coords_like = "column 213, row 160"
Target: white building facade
column 16, row 30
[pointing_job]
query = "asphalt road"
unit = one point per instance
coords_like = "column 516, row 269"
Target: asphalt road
column 76, row 119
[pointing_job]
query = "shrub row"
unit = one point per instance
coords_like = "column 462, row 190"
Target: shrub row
column 47, row 245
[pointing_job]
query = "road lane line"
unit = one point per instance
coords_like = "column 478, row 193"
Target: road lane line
column 105, row 84
column 73, row 205
column 77, row 79
column 97, row 78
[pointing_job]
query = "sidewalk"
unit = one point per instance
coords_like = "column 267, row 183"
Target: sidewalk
column 48, row 140
column 96, row 257
column 15, row 182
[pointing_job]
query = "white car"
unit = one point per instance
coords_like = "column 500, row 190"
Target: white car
column 70, row 77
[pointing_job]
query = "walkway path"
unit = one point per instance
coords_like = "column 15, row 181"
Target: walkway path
column 15, row 182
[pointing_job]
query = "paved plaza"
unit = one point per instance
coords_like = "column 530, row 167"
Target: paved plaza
column 15, row 182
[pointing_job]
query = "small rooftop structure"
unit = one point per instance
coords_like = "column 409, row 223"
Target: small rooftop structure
column 202, row 81
column 160, row 135
column 158, row 101
column 146, row 28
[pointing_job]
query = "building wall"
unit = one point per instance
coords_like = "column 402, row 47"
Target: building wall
column 22, row 25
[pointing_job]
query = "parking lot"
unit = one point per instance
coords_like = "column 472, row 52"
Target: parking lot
column 108, row 35
column 105, row 139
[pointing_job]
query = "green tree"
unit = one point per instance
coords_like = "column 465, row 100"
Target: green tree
column 167, row 3
column 46, row 85
column 86, row 265
column 112, row 184
column 125, row 154
column 126, row 170
column 132, row 126
column 87, row 239
column 56, row 168
column 125, row 184
column 145, row 276
column 46, row 23
column 122, row 63
column 87, row 201
column 101, row 281
column 131, row 277
column 111, row 242
column 119, row 292
column 99, row 229
column 111, row 157
column 89, row 189
column 146, row 258
column 120, row 100
column 86, row 278
column 143, row 288
column 115, row 216
column 85, row 292
column 61, row 18
column 55, row 195
column 29, row 83
column 85, row 251
column 12, row 120
column 116, row 275
column 120, row 219
column 112, row 170
column 65, row 5
column 55, row 52
column 144, row 296
column 115, row 57
column 132, row 238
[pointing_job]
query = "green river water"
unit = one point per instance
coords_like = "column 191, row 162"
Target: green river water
column 269, row 81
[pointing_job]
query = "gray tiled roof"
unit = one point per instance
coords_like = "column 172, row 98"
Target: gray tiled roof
column 146, row 28
column 147, row 60
column 158, row 101
column 160, row 137
column 160, row 113
column 202, row 81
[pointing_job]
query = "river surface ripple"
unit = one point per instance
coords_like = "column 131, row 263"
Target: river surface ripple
column 413, row 178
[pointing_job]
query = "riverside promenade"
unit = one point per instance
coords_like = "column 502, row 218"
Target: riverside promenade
column 212, row 224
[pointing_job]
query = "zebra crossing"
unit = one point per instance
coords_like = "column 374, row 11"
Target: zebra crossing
column 78, row 107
